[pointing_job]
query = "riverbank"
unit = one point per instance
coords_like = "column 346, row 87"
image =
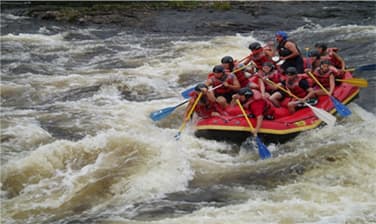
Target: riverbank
column 175, row 17
column 199, row 18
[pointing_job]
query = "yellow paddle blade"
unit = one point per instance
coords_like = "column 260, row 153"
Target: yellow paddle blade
column 182, row 126
column 355, row 82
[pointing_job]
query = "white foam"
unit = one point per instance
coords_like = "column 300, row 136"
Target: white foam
column 40, row 39
column 140, row 161
column 13, row 17
column 25, row 134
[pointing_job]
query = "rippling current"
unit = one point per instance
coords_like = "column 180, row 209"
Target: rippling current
column 77, row 144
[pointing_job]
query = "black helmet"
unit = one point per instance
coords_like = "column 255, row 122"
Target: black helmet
column 323, row 46
column 314, row 53
column 325, row 62
column 269, row 64
column 291, row 71
column 254, row 46
column 200, row 86
column 218, row 69
column 245, row 91
column 227, row 59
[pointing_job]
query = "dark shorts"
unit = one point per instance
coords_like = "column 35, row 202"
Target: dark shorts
column 283, row 94
column 310, row 101
column 295, row 62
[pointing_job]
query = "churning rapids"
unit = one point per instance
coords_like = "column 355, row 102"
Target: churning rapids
column 77, row 144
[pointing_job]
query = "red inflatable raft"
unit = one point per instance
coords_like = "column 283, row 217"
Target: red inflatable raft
column 236, row 129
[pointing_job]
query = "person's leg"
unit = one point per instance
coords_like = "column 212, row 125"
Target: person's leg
column 291, row 106
column 275, row 98
column 222, row 101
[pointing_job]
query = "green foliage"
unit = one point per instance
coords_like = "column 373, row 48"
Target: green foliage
column 69, row 14
column 222, row 5
column 73, row 11
column 184, row 4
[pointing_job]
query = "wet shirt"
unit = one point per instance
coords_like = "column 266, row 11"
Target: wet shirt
column 257, row 107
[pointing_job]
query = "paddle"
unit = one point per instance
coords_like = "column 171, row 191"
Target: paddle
column 162, row 113
column 276, row 59
column 186, row 92
column 307, row 52
column 263, row 151
column 363, row 68
column 243, row 59
column 211, row 89
column 323, row 115
column 182, row 126
column 329, row 119
column 355, row 82
column 341, row 109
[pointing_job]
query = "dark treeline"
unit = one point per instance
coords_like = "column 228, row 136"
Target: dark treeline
column 196, row 17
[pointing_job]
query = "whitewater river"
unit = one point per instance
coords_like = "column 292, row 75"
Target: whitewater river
column 77, row 144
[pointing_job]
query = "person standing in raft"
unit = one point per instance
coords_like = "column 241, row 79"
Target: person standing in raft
column 300, row 86
column 227, row 84
column 289, row 52
column 325, row 74
column 206, row 106
column 254, row 104
column 230, row 65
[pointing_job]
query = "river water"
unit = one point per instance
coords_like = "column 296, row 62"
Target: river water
column 77, row 144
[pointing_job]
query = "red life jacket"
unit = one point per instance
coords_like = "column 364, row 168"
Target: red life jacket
column 252, row 105
column 211, row 75
column 255, row 79
column 275, row 77
column 240, row 75
column 269, row 108
column 204, row 108
column 223, row 90
column 333, row 60
column 311, row 63
column 242, row 78
column 307, row 62
column 261, row 60
column 324, row 78
column 308, row 78
column 295, row 88
column 256, row 96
